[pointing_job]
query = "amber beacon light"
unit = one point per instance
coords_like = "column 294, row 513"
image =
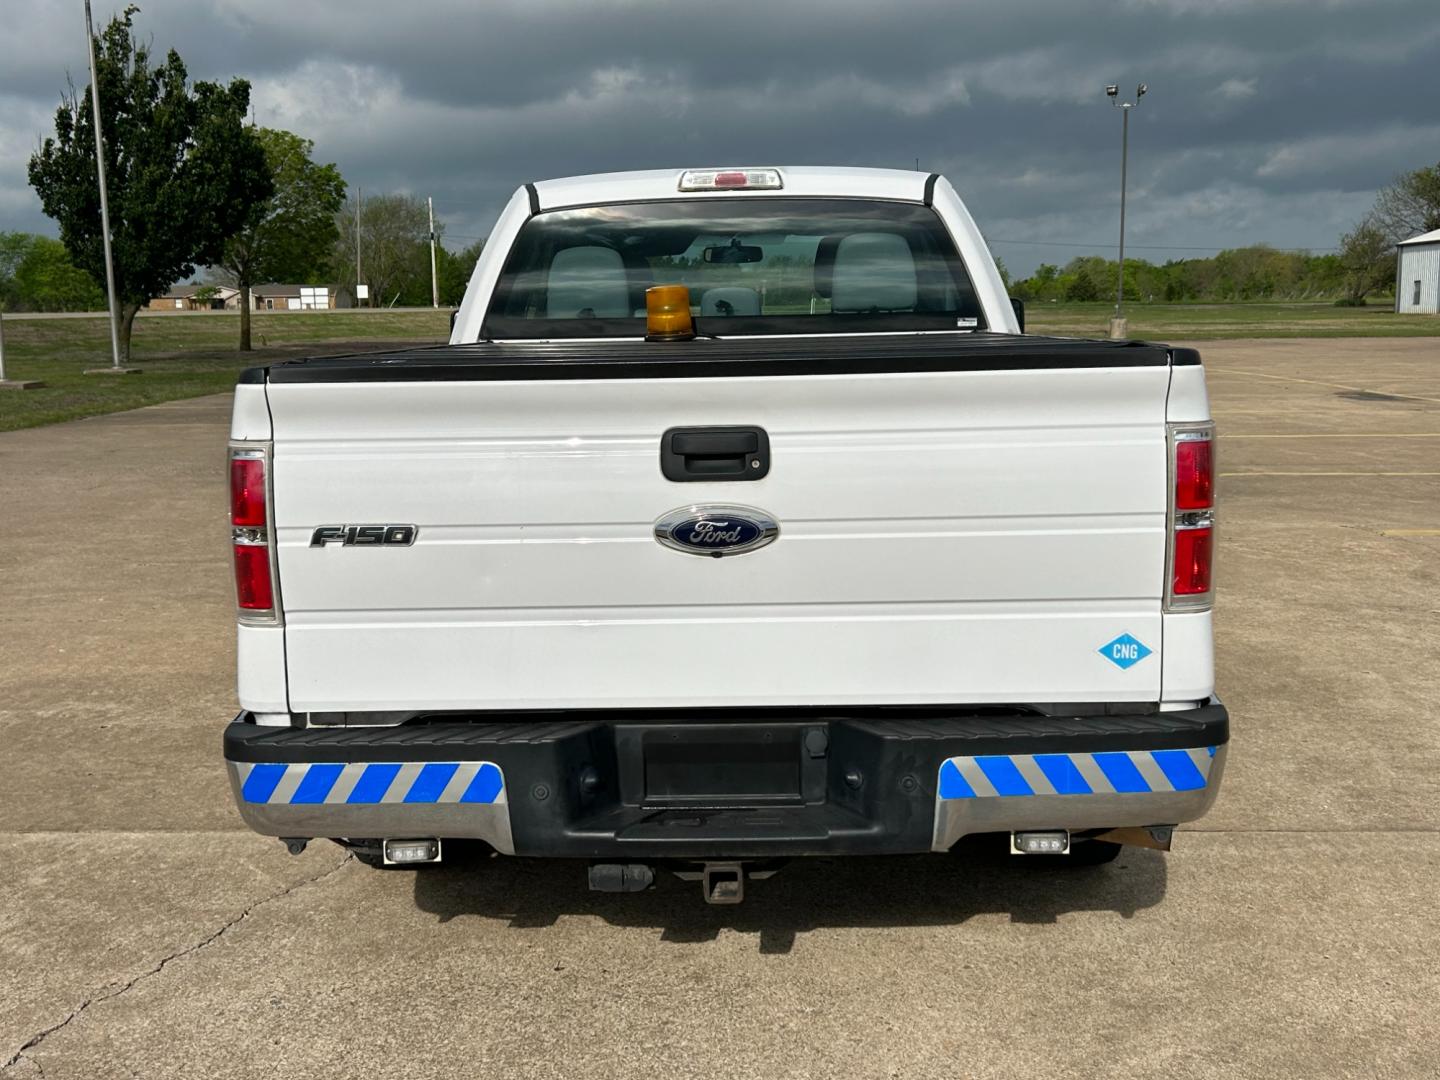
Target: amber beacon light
column 667, row 313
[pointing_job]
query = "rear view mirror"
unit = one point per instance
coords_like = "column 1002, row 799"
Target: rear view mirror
column 734, row 253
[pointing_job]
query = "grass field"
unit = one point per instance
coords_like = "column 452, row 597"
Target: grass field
column 189, row 355
column 1208, row 322
column 180, row 355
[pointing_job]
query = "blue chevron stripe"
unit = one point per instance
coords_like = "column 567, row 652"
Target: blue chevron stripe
column 1127, row 772
column 369, row 784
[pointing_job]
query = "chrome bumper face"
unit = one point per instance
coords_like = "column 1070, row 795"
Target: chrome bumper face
column 1006, row 793
column 375, row 800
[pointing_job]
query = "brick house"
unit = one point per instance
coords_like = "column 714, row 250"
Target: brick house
column 300, row 297
column 182, row 298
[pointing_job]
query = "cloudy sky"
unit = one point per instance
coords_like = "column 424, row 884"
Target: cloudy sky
column 1271, row 120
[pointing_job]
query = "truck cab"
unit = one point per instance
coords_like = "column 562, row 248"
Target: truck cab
column 738, row 521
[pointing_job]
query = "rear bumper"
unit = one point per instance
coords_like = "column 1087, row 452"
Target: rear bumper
column 650, row 786
column 647, row 786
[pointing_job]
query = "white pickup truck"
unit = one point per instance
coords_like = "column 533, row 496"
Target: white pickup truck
column 739, row 520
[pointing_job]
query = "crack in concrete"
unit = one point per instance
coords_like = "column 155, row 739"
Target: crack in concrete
column 109, row 993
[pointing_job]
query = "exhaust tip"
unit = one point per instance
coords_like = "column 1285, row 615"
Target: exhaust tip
column 621, row 877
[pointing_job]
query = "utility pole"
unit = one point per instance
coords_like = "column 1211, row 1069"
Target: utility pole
column 1118, row 327
column 359, row 202
column 104, row 202
column 434, row 278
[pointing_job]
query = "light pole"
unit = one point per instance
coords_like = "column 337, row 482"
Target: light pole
column 1117, row 321
column 434, row 278
column 104, row 207
column 359, row 205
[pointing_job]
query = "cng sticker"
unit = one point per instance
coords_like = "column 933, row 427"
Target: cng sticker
column 1124, row 652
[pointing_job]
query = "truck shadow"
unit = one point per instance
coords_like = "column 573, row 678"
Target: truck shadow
column 808, row 894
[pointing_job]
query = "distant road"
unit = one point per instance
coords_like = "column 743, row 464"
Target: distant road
column 18, row 316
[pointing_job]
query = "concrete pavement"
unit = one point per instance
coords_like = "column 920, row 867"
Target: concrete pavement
column 1291, row 933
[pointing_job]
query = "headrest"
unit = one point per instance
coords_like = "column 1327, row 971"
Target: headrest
column 730, row 301
column 588, row 282
column 873, row 272
column 825, row 264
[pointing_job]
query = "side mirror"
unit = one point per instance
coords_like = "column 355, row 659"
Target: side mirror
column 456, row 314
column 1018, row 306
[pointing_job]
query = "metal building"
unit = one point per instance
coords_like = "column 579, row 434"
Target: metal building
column 1417, row 275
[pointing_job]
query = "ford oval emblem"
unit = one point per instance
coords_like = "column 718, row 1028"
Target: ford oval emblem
column 716, row 530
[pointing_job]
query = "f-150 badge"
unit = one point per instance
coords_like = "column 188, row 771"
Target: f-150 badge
column 364, row 535
column 716, row 530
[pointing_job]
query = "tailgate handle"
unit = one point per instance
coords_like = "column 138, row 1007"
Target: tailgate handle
column 715, row 453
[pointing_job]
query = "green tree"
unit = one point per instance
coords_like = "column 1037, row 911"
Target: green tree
column 36, row 274
column 1082, row 287
column 13, row 246
column 291, row 235
column 184, row 172
column 394, row 249
column 1257, row 272
column 1004, row 273
column 46, row 280
column 454, row 270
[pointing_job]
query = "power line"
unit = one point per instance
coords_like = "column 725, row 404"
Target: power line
column 1151, row 247
column 1053, row 243
column 1057, row 243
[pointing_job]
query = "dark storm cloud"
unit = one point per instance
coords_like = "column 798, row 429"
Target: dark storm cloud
column 1266, row 121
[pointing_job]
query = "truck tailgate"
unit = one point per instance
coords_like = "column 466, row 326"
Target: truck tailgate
column 972, row 530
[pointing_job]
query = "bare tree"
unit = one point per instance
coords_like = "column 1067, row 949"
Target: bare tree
column 1368, row 257
column 1410, row 205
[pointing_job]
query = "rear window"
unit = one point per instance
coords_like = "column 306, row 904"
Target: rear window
column 753, row 265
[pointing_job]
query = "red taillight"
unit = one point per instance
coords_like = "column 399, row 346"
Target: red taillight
column 253, row 590
column 251, row 534
column 730, row 179
column 1194, row 474
column 1194, row 556
column 247, row 491
column 1192, row 517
